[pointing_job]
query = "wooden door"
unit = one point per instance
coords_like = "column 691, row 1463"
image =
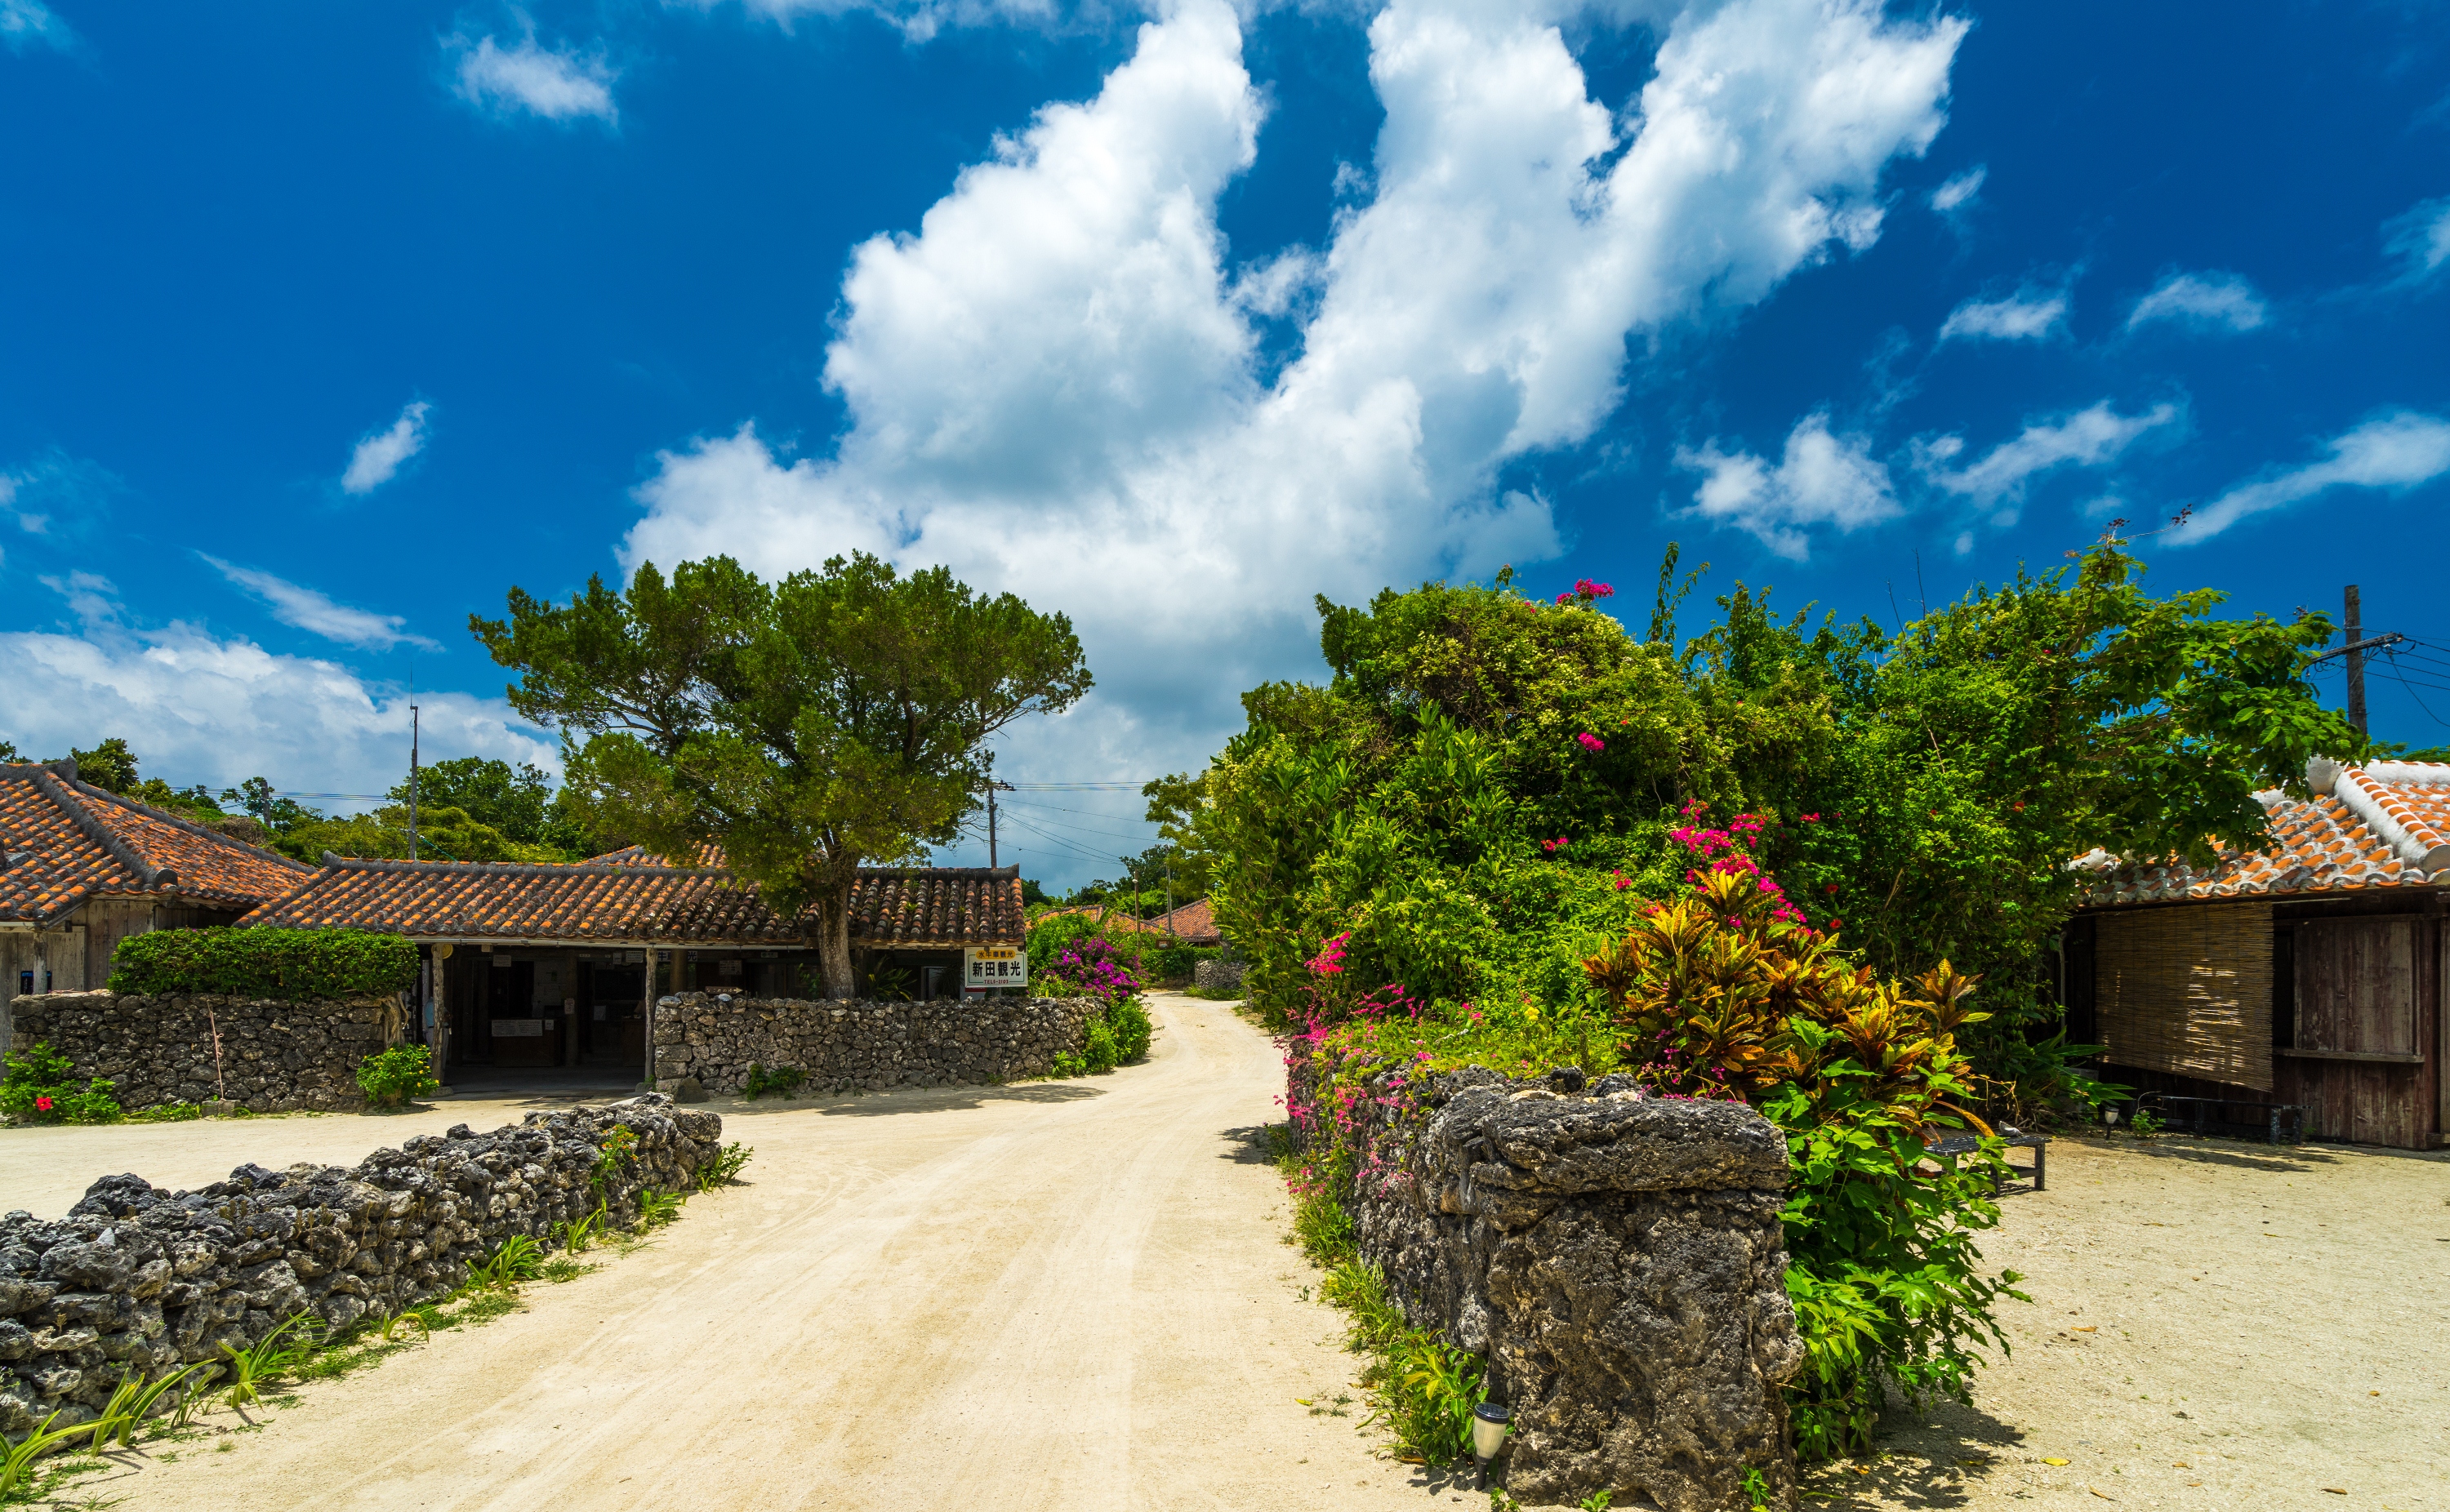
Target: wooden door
column 2359, row 983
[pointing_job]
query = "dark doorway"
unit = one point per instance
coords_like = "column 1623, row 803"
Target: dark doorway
column 614, row 999
column 523, row 1033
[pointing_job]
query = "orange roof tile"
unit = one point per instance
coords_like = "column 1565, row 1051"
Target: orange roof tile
column 67, row 842
column 2386, row 825
column 632, row 895
column 1193, row 921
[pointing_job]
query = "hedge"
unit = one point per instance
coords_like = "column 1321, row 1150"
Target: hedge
column 297, row 964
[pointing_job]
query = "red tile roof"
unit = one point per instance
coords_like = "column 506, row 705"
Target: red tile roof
column 1195, row 922
column 67, row 842
column 2384, row 825
column 631, row 895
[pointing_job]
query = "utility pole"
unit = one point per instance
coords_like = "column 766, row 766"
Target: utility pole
column 2356, row 662
column 1169, row 895
column 413, row 728
column 992, row 785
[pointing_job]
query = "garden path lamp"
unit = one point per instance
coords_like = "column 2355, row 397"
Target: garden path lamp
column 1488, row 1430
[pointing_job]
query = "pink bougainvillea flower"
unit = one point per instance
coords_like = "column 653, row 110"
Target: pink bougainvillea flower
column 1591, row 742
column 1812, row 819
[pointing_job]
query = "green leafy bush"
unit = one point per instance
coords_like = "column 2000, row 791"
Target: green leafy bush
column 784, row 1080
column 1097, row 1047
column 1726, row 993
column 1128, row 1021
column 398, row 1076
column 293, row 965
column 39, row 1087
column 1485, row 792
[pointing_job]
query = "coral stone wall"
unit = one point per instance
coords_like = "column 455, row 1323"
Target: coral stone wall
column 275, row 1056
column 136, row 1278
column 1616, row 1257
column 1218, row 976
column 855, row 1046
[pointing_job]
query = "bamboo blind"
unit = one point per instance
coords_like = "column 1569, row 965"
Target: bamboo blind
column 2187, row 990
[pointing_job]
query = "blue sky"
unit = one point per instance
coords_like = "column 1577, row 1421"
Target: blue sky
column 325, row 325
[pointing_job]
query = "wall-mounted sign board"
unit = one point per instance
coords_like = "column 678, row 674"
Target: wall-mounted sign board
column 995, row 966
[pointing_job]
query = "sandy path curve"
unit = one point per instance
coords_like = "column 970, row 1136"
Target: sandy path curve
column 1066, row 1294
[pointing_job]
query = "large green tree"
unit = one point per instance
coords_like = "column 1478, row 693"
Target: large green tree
column 1485, row 789
column 834, row 719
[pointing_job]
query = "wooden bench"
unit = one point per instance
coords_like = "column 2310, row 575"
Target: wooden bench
column 1965, row 1144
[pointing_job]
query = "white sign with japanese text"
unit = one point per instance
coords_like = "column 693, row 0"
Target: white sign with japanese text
column 995, row 966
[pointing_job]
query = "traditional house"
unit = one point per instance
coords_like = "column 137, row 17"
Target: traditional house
column 2307, row 974
column 82, row 868
column 534, row 966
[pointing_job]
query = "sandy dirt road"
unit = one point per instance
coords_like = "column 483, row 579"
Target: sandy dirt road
column 2216, row 1325
column 1056, row 1295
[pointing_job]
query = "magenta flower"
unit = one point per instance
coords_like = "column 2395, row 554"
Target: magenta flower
column 1591, row 742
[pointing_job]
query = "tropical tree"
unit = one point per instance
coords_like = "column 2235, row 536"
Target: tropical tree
column 809, row 726
column 1490, row 782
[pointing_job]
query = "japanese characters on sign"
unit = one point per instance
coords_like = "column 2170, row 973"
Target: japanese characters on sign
column 995, row 966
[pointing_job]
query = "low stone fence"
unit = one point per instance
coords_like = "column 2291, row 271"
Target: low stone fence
column 274, row 1058
column 1617, row 1258
column 136, row 1278
column 1217, row 976
column 843, row 1045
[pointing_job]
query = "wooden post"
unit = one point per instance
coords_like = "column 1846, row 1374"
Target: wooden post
column 646, row 1011
column 441, row 1012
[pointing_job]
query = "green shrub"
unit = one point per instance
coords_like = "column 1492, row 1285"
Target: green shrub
column 398, row 1076
column 1128, row 1021
column 38, row 1088
column 1099, row 1049
column 1726, row 993
column 782, row 1080
column 292, row 965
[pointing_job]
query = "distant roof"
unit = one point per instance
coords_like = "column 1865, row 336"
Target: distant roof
column 632, row 896
column 2386, row 825
column 1195, row 922
column 65, row 843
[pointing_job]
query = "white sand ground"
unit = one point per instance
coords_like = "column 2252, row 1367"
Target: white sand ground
column 1054, row 1295
column 1073, row 1295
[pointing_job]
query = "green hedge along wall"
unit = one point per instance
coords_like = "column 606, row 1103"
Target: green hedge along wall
column 296, row 964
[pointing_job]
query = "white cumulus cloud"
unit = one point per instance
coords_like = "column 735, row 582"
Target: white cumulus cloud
column 310, row 611
column 2396, row 450
column 2088, row 437
column 1823, row 480
column 198, row 708
column 559, row 85
column 1056, row 384
column 2221, row 301
column 380, row 454
column 31, row 24
column 2026, row 315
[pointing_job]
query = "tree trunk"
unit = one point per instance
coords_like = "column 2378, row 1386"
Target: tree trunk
column 833, row 943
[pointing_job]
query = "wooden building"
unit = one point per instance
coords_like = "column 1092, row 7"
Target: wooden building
column 2310, row 973
column 530, row 966
column 82, row 868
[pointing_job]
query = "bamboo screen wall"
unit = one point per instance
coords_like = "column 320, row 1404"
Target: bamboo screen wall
column 2187, row 990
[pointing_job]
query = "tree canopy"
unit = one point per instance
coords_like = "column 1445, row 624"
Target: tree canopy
column 809, row 726
column 1485, row 788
